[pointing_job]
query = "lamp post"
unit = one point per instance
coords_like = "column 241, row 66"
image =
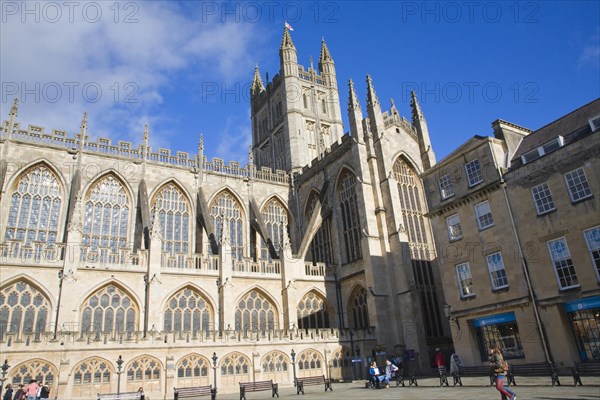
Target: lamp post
column 214, row 359
column 293, row 354
column 4, row 368
column 119, row 366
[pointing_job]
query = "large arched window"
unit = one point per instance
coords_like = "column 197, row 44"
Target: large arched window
column 23, row 310
column 255, row 312
column 350, row 219
column 275, row 217
column 312, row 312
column 35, row 206
column 110, row 309
column 187, row 310
column 411, row 200
column 42, row 371
column 106, row 219
column 226, row 210
column 144, row 371
column 320, row 247
column 358, row 308
column 172, row 208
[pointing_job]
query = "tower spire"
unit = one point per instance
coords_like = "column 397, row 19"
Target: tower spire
column 288, row 57
column 257, row 83
column 325, row 54
column 418, row 120
column 355, row 115
column 353, row 102
column 327, row 66
column 286, row 41
column 372, row 100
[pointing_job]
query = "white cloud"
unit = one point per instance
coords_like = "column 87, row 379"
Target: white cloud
column 48, row 65
column 590, row 53
column 234, row 140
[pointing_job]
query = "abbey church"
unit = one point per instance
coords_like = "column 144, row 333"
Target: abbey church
column 318, row 246
column 126, row 266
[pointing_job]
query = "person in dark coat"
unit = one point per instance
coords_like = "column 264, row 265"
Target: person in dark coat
column 8, row 393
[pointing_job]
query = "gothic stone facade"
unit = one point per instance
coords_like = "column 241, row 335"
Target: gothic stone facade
column 318, row 246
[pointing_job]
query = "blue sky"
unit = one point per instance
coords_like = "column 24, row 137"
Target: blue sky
column 185, row 67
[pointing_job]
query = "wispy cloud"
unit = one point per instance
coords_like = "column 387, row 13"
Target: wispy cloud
column 118, row 71
column 234, row 139
column 590, row 54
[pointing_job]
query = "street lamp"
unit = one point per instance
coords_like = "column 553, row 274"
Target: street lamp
column 293, row 354
column 214, row 359
column 119, row 366
column 4, row 368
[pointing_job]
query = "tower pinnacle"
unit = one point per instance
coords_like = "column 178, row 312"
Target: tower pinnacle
column 257, row 83
column 372, row 99
column 286, row 41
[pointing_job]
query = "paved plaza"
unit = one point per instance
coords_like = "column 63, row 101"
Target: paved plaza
column 527, row 389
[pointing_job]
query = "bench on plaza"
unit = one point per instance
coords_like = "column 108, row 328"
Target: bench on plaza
column 532, row 369
column 585, row 368
column 120, row 396
column 478, row 370
column 195, row 391
column 443, row 376
column 257, row 387
column 406, row 375
column 312, row 380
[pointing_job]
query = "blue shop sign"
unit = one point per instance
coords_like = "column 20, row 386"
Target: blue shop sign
column 494, row 319
column 583, row 304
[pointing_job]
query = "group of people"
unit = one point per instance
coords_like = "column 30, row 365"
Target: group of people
column 378, row 379
column 33, row 391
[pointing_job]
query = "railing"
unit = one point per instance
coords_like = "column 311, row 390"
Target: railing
column 318, row 269
column 110, row 258
column 259, row 267
column 189, row 263
column 16, row 251
column 35, row 134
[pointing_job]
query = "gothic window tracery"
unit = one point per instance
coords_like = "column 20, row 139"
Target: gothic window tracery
column 350, row 218
column 312, row 312
column 255, row 312
column 320, row 247
column 35, row 206
column 226, row 210
column 235, row 364
column 109, row 309
column 171, row 210
column 23, row 310
column 144, row 370
column 106, row 218
column 275, row 218
column 309, row 362
column 359, row 309
column 44, row 372
column 187, row 310
column 94, row 370
column 193, row 369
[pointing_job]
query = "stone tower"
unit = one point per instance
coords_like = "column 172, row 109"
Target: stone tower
column 297, row 117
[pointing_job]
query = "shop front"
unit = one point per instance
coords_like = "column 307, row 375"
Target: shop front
column 501, row 329
column 584, row 319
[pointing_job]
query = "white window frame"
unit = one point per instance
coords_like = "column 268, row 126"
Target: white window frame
column 584, row 183
column 449, row 227
column 538, row 209
column 593, row 246
column 544, row 149
column 494, row 268
column 482, row 216
column 594, row 123
column 470, row 291
column 564, row 257
column 470, row 174
column 445, row 185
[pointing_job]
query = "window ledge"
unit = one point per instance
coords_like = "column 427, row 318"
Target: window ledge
column 468, row 297
column 591, row 196
column 486, row 227
column 501, row 289
column 570, row 288
column 546, row 212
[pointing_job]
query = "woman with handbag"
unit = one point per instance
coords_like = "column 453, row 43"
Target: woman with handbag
column 500, row 368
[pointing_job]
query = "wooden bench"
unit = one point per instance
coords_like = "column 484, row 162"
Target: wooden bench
column 312, row 380
column 257, row 387
column 120, row 396
column 195, row 391
column 585, row 368
column 401, row 377
column 479, row 370
column 532, row 369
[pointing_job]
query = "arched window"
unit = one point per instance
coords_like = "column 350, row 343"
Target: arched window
column 106, row 219
column 235, row 364
column 193, row 370
column 359, row 309
column 42, row 371
column 92, row 371
column 187, row 310
column 255, row 312
column 341, row 363
column 275, row 361
column 312, row 312
column 226, row 210
column 350, row 219
column 172, row 208
column 23, row 310
column 35, row 206
column 143, row 371
column 320, row 247
column 275, row 217
column 411, row 200
column 110, row 309
column 310, row 363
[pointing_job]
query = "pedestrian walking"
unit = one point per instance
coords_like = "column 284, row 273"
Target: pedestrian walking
column 20, row 393
column 8, row 393
column 500, row 368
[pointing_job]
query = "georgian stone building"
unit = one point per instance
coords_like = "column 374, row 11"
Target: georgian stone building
column 315, row 252
column 517, row 228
